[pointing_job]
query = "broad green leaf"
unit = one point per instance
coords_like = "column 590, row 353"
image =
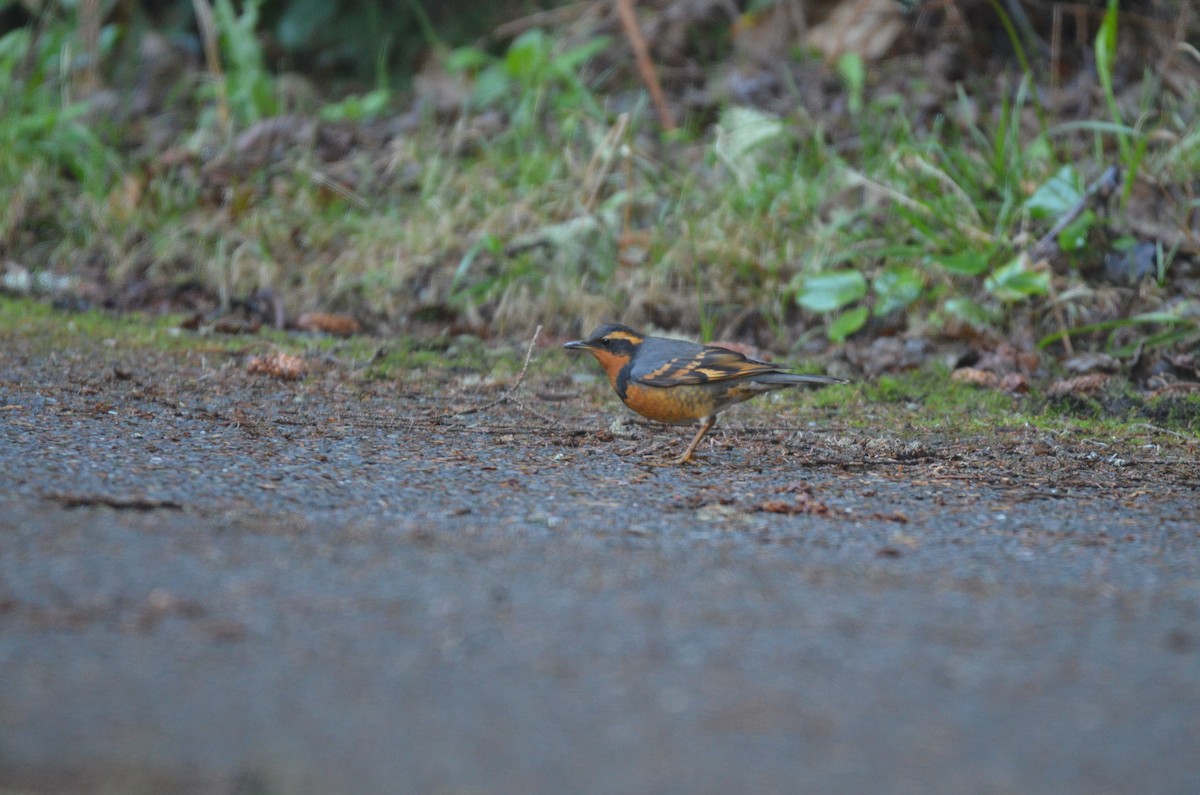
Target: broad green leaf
column 1036, row 151
column 829, row 292
column 969, row 312
column 527, row 56
column 1056, row 195
column 1016, row 282
column 847, row 323
column 13, row 46
column 572, row 59
column 1074, row 236
column 491, row 85
column 358, row 107
column 966, row 263
column 465, row 59
column 896, row 288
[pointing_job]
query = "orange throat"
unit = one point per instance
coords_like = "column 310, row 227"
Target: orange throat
column 612, row 364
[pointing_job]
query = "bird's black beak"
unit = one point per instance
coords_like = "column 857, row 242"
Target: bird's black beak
column 576, row 345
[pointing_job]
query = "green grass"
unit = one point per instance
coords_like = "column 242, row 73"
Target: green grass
column 918, row 401
column 565, row 213
column 1120, row 408
column 40, row 329
column 412, row 358
column 47, row 329
column 927, row 400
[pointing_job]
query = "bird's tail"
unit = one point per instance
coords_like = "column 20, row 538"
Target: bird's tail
column 787, row 379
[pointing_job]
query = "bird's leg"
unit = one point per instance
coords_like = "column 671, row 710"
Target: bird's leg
column 705, row 427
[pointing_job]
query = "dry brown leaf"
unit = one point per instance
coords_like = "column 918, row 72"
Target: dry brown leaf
column 1089, row 384
column 975, row 377
column 1014, row 382
column 284, row 366
column 801, row 505
column 867, row 28
column 232, row 324
column 328, row 323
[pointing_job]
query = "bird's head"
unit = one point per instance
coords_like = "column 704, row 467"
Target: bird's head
column 613, row 345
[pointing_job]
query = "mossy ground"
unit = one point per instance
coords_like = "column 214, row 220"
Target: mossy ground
column 903, row 405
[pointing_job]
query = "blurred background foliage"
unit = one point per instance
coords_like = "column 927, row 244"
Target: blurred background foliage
column 335, row 39
column 796, row 172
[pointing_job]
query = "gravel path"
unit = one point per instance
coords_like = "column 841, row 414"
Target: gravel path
column 215, row 582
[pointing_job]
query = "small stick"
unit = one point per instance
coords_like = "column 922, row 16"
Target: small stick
column 1102, row 187
column 507, row 394
column 1056, row 308
column 1044, row 248
column 212, row 57
column 641, row 54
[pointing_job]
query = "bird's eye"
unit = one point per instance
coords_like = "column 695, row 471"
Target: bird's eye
column 605, row 342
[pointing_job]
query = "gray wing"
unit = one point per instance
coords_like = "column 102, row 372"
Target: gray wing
column 666, row 362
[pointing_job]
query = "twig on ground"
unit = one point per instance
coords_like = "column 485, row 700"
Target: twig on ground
column 1056, row 308
column 510, row 394
column 1102, row 187
column 1045, row 248
column 1157, row 429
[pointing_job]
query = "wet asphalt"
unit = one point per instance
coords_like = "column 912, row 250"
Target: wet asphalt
column 215, row 582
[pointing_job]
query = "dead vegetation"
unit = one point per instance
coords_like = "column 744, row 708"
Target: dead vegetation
column 856, row 172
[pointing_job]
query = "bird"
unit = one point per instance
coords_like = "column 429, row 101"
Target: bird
column 677, row 382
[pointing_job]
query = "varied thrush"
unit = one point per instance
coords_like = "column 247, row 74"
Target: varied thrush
column 676, row 381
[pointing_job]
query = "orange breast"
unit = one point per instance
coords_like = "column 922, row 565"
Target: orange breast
column 676, row 404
